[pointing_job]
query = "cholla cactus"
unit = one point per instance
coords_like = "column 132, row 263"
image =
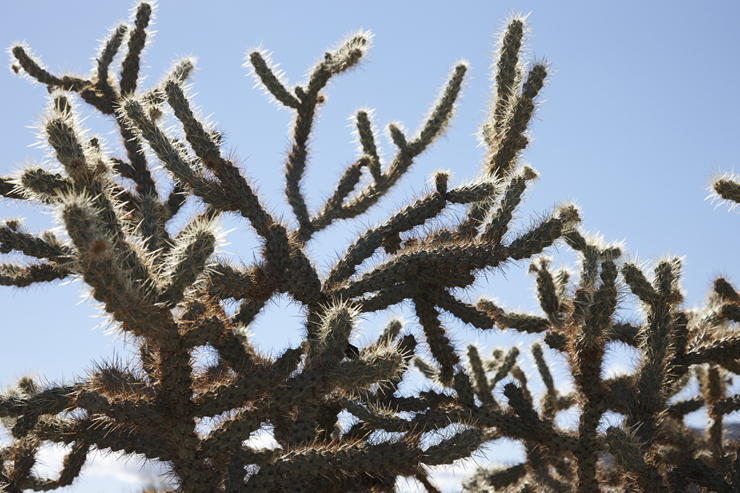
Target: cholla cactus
column 653, row 449
column 165, row 292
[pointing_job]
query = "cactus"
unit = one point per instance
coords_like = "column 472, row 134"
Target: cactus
column 165, row 291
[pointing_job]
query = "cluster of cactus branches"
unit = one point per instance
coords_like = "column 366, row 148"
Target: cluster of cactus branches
column 166, row 291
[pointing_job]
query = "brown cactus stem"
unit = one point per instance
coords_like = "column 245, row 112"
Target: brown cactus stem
column 588, row 449
column 296, row 163
column 141, row 175
column 440, row 345
column 174, row 390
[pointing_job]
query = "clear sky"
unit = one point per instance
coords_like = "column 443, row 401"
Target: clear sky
column 641, row 109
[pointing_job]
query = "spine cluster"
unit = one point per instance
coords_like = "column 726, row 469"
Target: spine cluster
column 165, row 291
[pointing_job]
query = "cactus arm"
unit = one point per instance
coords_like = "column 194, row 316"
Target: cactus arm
column 365, row 246
column 423, row 477
column 39, row 184
column 345, row 57
column 466, row 312
column 175, row 200
column 654, row 340
column 129, row 412
column 366, row 138
column 463, row 387
column 22, row 459
column 142, row 176
column 113, row 281
column 639, row 284
column 495, row 228
column 624, row 332
column 458, row 446
column 9, row 189
column 505, row 367
column 434, row 127
column 84, row 88
column 103, row 436
column 544, row 234
column 388, row 297
column 508, row 117
column 204, row 144
column 318, row 466
column 713, row 387
column 333, row 205
column 14, row 237
column 724, row 348
column 28, row 408
column 507, row 75
column 150, row 217
column 727, row 188
column 105, row 58
column 234, row 392
column 439, row 343
column 353, row 375
column 186, row 261
column 629, row 452
column 682, row 408
column 71, row 468
column 265, row 73
column 594, row 308
column 374, row 418
column 730, row 312
column 550, row 402
column 390, row 332
column 252, row 284
column 476, row 191
column 229, row 340
column 136, row 42
column 547, row 292
column 406, row 348
column 499, row 478
column 440, row 116
column 135, row 118
column 513, row 139
column 34, row 69
column 414, row 215
column 457, row 261
column 520, row 322
column 480, row 380
column 230, row 432
column 22, row 276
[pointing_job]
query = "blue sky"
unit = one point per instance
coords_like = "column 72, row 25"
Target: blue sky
column 641, row 109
